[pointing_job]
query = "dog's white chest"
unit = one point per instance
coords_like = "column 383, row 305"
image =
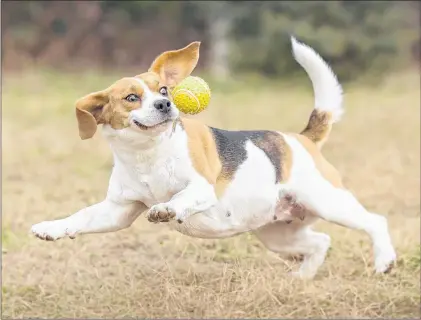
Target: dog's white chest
column 155, row 175
column 157, row 179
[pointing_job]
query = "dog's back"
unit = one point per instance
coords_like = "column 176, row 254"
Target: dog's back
column 230, row 146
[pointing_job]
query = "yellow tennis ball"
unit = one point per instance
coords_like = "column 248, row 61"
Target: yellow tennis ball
column 192, row 95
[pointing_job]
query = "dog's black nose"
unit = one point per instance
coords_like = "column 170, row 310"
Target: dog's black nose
column 163, row 105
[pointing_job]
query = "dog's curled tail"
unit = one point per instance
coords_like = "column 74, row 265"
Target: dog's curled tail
column 327, row 93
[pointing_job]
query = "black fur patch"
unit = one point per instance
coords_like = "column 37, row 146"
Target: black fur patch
column 232, row 152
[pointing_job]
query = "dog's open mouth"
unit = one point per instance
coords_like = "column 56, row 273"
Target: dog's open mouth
column 143, row 127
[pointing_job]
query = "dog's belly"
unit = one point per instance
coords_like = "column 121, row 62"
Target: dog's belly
column 228, row 219
column 248, row 202
column 223, row 221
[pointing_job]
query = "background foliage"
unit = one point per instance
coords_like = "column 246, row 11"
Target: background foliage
column 237, row 36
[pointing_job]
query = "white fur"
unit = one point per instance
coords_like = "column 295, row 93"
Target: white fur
column 148, row 115
column 106, row 216
column 327, row 90
column 153, row 170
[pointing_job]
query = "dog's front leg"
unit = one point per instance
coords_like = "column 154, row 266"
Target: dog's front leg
column 197, row 197
column 106, row 216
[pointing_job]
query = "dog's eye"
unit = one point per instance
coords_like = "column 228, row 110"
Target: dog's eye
column 163, row 91
column 132, row 98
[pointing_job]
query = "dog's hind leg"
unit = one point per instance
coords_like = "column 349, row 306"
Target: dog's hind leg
column 296, row 239
column 339, row 206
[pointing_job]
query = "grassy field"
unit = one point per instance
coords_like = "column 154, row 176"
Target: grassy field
column 149, row 271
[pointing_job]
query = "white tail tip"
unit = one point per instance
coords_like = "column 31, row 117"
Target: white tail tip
column 327, row 90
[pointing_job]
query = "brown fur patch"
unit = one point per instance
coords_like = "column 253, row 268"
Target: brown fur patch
column 204, row 154
column 87, row 109
column 174, row 66
column 108, row 106
column 286, row 160
column 277, row 150
column 327, row 170
column 318, row 127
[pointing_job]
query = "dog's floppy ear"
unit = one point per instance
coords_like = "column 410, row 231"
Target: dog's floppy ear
column 88, row 111
column 174, row 66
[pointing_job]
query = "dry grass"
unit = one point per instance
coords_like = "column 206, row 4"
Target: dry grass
column 149, row 271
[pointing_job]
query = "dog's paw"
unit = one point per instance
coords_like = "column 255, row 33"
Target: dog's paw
column 52, row 230
column 385, row 260
column 161, row 213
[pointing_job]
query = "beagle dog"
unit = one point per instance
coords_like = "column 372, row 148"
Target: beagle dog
column 212, row 183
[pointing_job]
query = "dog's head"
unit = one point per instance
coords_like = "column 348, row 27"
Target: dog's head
column 141, row 103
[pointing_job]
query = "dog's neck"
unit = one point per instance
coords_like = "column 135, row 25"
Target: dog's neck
column 130, row 146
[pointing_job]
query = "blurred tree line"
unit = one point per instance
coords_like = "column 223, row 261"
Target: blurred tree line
column 237, row 36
